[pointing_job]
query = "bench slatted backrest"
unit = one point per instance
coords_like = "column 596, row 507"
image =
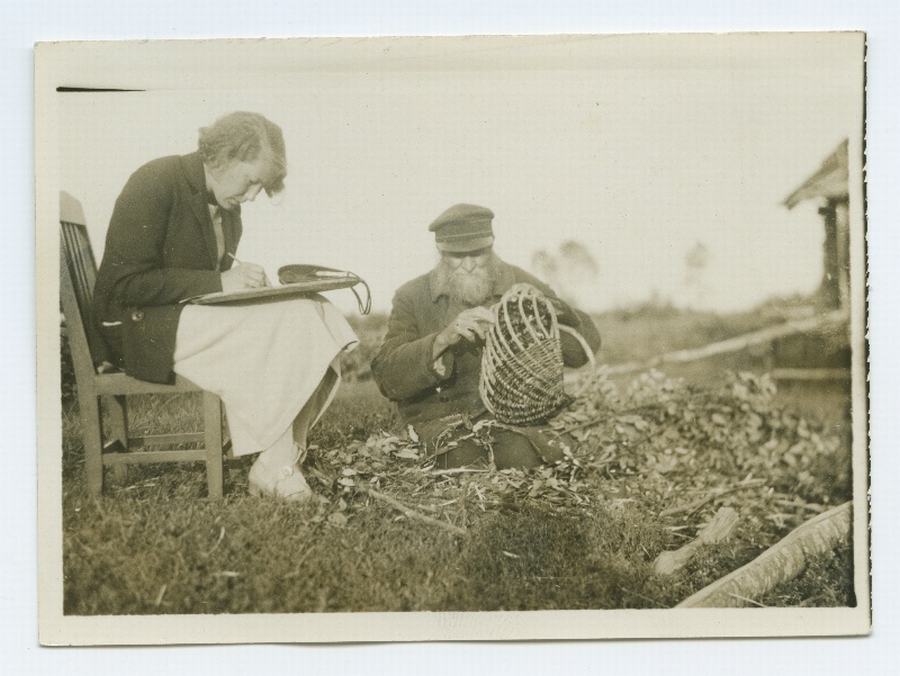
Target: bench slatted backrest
column 78, row 272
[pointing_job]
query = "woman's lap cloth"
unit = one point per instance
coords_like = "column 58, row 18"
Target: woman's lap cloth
column 264, row 360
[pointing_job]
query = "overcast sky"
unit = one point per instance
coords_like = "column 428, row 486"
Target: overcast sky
column 636, row 147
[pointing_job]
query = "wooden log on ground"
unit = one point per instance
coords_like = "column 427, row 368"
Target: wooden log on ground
column 718, row 528
column 735, row 344
column 811, row 374
column 780, row 563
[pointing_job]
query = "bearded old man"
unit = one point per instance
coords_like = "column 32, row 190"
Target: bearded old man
column 430, row 361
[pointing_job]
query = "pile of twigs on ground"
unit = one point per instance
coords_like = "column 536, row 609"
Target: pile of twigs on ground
column 676, row 452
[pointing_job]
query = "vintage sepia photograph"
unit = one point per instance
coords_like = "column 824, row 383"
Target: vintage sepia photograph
column 460, row 338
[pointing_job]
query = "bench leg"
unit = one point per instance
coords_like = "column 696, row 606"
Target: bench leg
column 212, row 426
column 117, row 415
column 92, row 436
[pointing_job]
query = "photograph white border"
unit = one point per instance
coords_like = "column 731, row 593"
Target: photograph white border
column 48, row 20
column 122, row 65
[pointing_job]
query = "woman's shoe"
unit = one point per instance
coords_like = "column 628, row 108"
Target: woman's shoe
column 287, row 482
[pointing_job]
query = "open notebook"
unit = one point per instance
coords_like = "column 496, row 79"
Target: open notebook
column 295, row 281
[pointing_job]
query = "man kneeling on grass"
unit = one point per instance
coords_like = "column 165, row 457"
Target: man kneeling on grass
column 430, row 362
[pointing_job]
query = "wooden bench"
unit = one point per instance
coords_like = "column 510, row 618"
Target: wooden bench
column 101, row 388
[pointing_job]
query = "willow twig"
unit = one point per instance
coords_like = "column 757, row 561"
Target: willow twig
column 612, row 413
column 712, row 495
column 409, row 512
column 215, row 546
column 458, row 470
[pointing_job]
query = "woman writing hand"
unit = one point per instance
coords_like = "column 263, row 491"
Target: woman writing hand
column 244, row 276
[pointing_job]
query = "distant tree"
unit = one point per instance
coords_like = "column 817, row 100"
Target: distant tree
column 696, row 261
column 572, row 271
column 544, row 265
column 578, row 261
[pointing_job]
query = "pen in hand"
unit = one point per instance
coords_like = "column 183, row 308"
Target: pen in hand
column 265, row 279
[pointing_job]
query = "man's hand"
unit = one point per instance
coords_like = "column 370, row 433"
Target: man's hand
column 471, row 325
column 244, row 276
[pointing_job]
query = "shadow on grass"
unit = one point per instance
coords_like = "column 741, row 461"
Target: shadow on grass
column 534, row 558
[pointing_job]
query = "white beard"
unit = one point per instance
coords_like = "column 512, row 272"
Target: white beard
column 470, row 288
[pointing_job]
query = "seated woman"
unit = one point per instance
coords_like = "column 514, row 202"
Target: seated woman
column 172, row 236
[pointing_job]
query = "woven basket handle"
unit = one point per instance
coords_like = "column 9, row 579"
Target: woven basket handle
column 581, row 341
column 587, row 350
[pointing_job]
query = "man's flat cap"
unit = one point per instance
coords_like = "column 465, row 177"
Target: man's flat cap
column 463, row 227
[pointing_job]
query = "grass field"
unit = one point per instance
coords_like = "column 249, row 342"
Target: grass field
column 583, row 534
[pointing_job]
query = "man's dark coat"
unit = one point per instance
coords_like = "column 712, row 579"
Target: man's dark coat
column 405, row 371
column 160, row 249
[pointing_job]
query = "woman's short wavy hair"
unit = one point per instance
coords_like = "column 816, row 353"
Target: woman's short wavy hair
column 244, row 137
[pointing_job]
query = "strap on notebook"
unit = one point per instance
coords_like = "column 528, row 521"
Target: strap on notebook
column 299, row 272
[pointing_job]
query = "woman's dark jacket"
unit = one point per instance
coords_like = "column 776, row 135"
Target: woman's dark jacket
column 160, row 249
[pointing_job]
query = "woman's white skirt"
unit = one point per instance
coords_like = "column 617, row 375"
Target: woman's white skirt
column 264, row 361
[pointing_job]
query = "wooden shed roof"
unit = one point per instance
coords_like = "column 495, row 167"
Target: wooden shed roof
column 829, row 181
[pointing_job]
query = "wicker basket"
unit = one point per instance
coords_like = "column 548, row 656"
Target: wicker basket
column 522, row 363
